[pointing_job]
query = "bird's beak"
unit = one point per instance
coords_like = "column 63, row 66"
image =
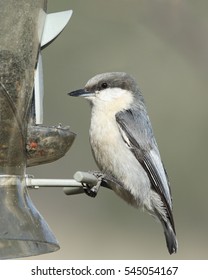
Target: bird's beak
column 80, row 92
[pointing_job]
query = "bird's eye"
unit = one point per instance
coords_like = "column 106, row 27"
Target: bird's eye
column 104, row 85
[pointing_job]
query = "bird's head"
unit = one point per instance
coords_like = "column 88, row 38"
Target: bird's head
column 115, row 89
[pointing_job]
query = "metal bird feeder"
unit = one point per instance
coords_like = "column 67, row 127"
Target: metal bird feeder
column 25, row 28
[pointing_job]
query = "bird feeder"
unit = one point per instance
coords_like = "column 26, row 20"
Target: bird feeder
column 25, row 27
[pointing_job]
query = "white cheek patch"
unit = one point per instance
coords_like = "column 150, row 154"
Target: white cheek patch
column 112, row 100
column 111, row 94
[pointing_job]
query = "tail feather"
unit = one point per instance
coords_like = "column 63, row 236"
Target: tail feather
column 169, row 231
column 170, row 237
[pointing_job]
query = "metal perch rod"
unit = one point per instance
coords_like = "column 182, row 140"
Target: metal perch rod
column 71, row 186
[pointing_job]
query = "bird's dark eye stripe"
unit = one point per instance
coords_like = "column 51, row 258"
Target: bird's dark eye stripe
column 104, row 85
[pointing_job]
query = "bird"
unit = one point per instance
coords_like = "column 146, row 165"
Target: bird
column 124, row 147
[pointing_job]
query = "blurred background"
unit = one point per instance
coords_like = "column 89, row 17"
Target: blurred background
column 164, row 45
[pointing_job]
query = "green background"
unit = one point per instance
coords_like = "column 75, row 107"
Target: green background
column 164, row 45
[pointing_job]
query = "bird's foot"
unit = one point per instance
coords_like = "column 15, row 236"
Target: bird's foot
column 92, row 191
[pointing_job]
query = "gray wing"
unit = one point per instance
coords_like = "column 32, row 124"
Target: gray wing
column 136, row 131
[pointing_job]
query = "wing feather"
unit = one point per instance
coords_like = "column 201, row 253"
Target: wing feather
column 137, row 132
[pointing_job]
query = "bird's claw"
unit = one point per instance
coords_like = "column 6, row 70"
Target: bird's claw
column 92, row 191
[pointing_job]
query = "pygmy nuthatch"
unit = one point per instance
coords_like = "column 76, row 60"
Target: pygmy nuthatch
column 124, row 146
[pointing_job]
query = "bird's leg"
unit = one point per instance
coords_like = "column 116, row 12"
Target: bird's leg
column 92, row 191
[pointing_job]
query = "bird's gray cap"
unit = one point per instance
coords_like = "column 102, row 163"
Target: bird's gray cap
column 110, row 80
column 113, row 80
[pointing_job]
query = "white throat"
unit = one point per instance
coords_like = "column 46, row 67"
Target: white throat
column 111, row 100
